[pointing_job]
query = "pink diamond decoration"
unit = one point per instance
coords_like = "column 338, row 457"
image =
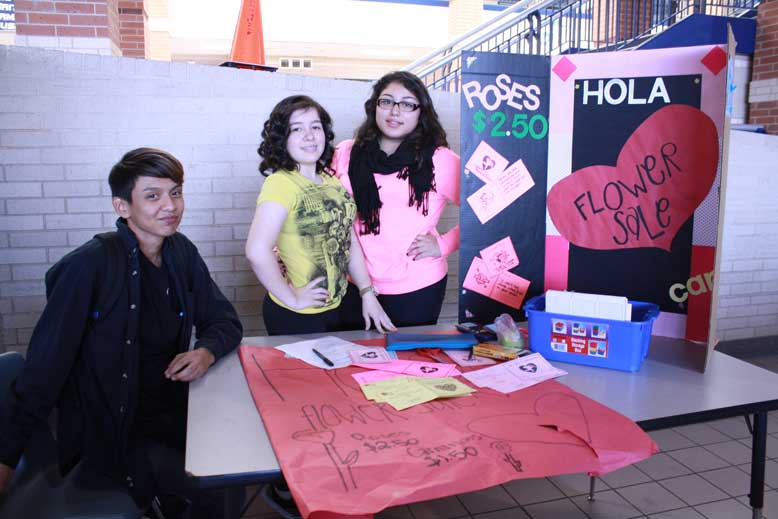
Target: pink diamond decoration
column 564, row 67
column 715, row 60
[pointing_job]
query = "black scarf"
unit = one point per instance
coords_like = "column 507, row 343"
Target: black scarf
column 367, row 159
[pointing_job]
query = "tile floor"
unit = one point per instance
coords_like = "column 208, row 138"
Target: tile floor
column 702, row 472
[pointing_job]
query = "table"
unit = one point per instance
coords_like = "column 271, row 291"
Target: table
column 227, row 443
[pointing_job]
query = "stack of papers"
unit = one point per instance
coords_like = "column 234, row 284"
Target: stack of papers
column 403, row 392
column 335, row 349
column 515, row 374
column 615, row 308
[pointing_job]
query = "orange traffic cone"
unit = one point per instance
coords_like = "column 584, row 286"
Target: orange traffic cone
column 248, row 44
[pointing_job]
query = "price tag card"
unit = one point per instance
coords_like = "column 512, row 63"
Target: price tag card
column 486, row 163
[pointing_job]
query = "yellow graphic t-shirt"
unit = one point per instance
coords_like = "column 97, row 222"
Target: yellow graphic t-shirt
column 316, row 235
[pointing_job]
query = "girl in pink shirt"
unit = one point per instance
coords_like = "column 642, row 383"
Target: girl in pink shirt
column 402, row 175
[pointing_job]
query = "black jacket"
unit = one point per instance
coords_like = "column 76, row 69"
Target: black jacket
column 87, row 364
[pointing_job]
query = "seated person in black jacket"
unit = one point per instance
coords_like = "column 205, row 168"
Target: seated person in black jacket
column 119, row 373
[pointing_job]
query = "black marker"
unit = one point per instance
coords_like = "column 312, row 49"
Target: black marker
column 322, row 357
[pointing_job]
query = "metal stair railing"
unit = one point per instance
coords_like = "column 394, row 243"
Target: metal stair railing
column 567, row 26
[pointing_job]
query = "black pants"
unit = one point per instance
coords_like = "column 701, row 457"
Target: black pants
column 418, row 308
column 281, row 321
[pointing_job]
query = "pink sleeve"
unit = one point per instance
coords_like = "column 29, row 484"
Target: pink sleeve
column 340, row 159
column 447, row 183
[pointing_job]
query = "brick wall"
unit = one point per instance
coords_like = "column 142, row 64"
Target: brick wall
column 65, row 118
column 81, row 25
column 131, row 37
column 748, row 284
column 763, row 93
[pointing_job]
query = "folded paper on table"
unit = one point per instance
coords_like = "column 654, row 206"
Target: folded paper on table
column 411, row 341
column 344, row 456
column 415, row 368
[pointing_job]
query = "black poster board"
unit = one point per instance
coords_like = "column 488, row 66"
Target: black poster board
column 504, row 104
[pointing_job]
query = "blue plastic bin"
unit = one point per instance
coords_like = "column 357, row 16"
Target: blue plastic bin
column 603, row 343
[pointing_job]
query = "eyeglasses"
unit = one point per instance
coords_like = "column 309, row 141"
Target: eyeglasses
column 386, row 103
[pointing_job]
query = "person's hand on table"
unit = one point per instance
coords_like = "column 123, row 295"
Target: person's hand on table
column 189, row 366
column 372, row 311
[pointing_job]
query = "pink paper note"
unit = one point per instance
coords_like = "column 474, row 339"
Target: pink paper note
column 500, row 256
column 507, row 288
column 504, row 189
column 486, row 162
column 478, row 278
column 367, row 377
column 416, row 369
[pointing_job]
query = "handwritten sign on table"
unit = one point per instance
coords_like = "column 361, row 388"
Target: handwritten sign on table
column 335, row 448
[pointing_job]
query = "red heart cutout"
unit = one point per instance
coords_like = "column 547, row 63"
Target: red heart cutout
column 664, row 171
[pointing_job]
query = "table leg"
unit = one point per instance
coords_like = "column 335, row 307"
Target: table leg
column 758, row 454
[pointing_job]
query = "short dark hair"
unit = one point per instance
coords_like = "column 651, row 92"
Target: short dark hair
column 429, row 131
column 143, row 162
column 276, row 130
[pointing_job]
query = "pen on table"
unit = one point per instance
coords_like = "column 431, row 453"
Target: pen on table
column 472, row 350
column 322, row 357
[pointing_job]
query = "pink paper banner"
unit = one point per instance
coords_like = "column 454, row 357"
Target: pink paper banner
column 344, row 456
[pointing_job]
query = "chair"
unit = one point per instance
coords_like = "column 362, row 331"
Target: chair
column 37, row 489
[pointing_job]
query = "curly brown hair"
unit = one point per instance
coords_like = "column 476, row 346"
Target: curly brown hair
column 276, row 130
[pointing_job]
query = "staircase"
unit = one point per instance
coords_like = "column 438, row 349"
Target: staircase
column 550, row 27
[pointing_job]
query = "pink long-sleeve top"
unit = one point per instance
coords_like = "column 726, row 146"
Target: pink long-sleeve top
column 391, row 270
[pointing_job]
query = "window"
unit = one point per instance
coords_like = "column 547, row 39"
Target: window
column 295, row 63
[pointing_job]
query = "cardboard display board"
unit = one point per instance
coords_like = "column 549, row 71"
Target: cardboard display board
column 629, row 183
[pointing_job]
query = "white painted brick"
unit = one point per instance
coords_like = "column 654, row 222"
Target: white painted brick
column 5, row 272
column 197, row 185
column 12, row 256
column 229, row 248
column 737, row 333
column 245, row 199
column 195, row 218
column 198, row 234
column 23, row 139
column 109, row 221
column 56, row 253
column 731, row 278
column 238, row 185
column 767, row 275
column 17, row 121
column 215, row 170
column 21, row 223
column 229, row 216
column 5, row 308
column 38, row 239
column 89, row 172
column 241, row 263
column 83, row 188
column 734, row 301
column 71, row 155
column 77, row 238
column 35, row 206
column 763, row 320
column 744, row 288
column 20, row 156
column 20, row 320
column 28, row 304
column 240, row 232
column 75, row 221
column 29, row 272
column 21, row 189
column 13, row 87
column 87, row 137
column 234, row 279
column 96, row 204
column 37, row 172
column 745, row 265
column 219, row 264
column 206, row 249
column 763, row 331
column 253, row 292
column 22, row 288
column 740, row 311
column 247, row 168
column 209, row 201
